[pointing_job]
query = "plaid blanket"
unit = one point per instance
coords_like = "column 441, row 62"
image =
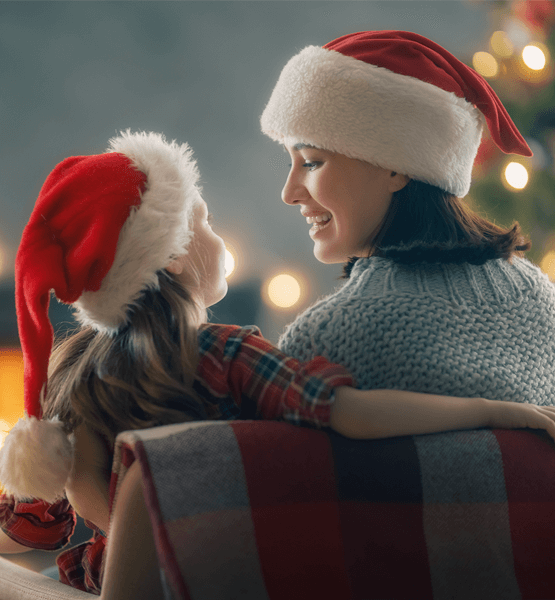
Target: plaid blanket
column 266, row 510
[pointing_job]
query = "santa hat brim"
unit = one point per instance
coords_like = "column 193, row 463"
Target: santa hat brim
column 335, row 102
column 157, row 230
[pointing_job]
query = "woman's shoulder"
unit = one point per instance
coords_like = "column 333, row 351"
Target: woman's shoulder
column 495, row 280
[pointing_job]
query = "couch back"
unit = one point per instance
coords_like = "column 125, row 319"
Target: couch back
column 266, row 510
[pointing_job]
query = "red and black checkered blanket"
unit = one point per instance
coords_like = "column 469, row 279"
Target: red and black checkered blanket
column 266, row 510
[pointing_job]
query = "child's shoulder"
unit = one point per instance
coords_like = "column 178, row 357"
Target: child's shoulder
column 221, row 330
column 213, row 336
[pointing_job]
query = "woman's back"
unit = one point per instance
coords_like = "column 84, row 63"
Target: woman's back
column 469, row 330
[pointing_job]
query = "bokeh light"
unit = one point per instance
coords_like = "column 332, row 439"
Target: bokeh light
column 233, row 258
column 229, row 262
column 547, row 264
column 284, row 290
column 516, row 175
column 485, row 64
column 534, row 57
column 2, row 260
column 501, row 44
column 11, row 387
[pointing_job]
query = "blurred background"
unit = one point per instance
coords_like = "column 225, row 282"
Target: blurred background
column 73, row 74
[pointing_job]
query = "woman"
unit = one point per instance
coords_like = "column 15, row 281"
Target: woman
column 382, row 128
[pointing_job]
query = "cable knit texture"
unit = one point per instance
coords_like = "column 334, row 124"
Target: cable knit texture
column 465, row 330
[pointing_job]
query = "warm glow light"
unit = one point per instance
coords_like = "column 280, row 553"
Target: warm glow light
column 547, row 264
column 11, row 386
column 534, row 58
column 2, row 260
column 284, row 290
column 4, row 429
column 229, row 262
column 516, row 175
column 232, row 258
column 485, row 64
column 501, row 44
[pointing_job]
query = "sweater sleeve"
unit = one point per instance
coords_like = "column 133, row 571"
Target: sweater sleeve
column 240, row 362
column 37, row 524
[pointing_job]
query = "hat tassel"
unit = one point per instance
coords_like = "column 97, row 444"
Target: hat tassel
column 36, row 460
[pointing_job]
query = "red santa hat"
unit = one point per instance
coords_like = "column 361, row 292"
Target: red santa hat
column 101, row 229
column 394, row 99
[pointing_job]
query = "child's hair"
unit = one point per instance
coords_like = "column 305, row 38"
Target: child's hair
column 139, row 377
column 426, row 224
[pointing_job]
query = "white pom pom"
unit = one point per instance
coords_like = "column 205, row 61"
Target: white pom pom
column 36, row 460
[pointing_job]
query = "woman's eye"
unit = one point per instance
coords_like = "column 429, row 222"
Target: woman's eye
column 307, row 165
column 210, row 219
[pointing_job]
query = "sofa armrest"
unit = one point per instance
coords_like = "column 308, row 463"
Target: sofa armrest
column 18, row 583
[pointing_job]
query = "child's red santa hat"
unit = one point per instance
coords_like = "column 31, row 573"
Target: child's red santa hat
column 394, row 99
column 101, row 229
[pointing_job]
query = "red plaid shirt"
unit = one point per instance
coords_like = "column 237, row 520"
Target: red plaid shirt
column 242, row 376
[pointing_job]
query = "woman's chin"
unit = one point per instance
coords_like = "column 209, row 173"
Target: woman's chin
column 327, row 256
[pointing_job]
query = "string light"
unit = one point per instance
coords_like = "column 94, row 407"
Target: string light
column 534, row 57
column 232, row 258
column 284, row 290
column 516, row 175
column 485, row 64
column 501, row 44
column 230, row 262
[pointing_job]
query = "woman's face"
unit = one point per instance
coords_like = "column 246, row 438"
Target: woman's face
column 206, row 256
column 344, row 199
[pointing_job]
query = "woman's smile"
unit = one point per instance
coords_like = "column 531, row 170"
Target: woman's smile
column 318, row 222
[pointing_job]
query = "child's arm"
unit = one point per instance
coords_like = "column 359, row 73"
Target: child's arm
column 87, row 487
column 368, row 414
column 9, row 546
column 243, row 362
column 34, row 524
column 132, row 570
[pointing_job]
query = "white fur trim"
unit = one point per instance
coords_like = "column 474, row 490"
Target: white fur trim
column 155, row 231
column 338, row 103
column 35, row 460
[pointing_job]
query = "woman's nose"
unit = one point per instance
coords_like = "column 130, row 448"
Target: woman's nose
column 293, row 191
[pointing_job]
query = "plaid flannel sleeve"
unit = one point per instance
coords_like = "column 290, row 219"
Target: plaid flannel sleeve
column 37, row 524
column 238, row 360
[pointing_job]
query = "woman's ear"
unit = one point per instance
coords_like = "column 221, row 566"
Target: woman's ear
column 397, row 181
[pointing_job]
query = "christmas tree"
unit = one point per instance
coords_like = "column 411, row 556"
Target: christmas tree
column 518, row 65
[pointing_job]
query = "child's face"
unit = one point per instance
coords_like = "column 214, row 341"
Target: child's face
column 206, row 254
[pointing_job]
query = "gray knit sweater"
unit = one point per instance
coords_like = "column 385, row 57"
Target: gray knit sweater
column 461, row 330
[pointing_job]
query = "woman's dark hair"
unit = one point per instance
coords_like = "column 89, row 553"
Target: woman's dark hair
column 427, row 224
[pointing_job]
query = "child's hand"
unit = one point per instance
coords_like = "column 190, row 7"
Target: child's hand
column 514, row 415
column 373, row 414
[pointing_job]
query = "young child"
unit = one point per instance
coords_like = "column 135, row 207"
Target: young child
column 125, row 238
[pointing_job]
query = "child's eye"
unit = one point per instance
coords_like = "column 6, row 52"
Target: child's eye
column 210, row 218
